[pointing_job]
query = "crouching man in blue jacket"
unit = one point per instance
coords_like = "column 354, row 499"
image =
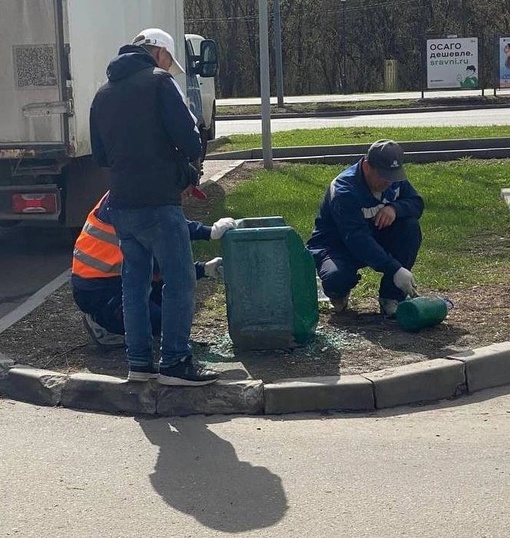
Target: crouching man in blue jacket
column 369, row 218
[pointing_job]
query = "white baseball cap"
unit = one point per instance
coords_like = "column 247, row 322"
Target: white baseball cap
column 159, row 38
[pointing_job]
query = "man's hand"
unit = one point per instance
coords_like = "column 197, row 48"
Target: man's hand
column 404, row 280
column 221, row 226
column 214, row 268
column 385, row 217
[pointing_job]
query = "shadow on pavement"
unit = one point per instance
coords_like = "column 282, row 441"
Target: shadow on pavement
column 199, row 474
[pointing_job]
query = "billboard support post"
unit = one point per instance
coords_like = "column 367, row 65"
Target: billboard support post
column 267, row 151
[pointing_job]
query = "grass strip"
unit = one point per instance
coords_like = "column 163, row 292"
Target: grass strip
column 360, row 135
column 466, row 224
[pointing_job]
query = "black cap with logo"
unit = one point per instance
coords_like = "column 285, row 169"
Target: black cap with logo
column 387, row 157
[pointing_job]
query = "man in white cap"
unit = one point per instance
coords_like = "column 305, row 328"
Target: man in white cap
column 369, row 218
column 162, row 46
column 142, row 130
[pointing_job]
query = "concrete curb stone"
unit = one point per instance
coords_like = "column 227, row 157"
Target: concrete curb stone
column 417, row 151
column 34, row 385
column 428, row 381
column 110, row 394
column 486, row 367
column 422, row 381
column 5, row 365
column 222, row 397
column 350, row 393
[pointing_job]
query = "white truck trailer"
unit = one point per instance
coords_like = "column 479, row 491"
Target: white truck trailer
column 54, row 55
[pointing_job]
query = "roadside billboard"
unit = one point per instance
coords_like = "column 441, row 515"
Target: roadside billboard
column 504, row 62
column 452, row 63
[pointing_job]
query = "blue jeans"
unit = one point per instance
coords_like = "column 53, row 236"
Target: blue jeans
column 105, row 305
column 162, row 233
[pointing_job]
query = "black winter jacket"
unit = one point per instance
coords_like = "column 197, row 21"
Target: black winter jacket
column 143, row 131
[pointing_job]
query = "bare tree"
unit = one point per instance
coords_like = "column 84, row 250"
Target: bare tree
column 315, row 39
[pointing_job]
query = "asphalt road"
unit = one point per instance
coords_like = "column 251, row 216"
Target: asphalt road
column 488, row 116
column 430, row 471
column 29, row 259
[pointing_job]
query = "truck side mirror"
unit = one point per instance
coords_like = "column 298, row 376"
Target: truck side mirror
column 208, row 60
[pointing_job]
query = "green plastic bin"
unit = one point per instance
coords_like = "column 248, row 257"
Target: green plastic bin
column 271, row 290
column 421, row 312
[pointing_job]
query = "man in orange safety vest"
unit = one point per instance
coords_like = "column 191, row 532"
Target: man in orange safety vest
column 96, row 275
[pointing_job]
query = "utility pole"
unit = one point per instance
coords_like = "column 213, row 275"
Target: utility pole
column 278, row 52
column 265, row 96
column 344, row 49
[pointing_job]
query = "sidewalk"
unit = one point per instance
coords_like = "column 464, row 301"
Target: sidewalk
column 449, row 377
column 215, row 169
column 339, row 98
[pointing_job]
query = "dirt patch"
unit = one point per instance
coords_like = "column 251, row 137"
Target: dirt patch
column 360, row 340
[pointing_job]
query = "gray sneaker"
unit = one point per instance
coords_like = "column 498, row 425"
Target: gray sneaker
column 100, row 335
column 388, row 307
column 142, row 373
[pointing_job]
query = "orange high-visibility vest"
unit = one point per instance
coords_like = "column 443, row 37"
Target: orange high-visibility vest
column 96, row 252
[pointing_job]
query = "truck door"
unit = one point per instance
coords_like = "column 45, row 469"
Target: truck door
column 192, row 87
column 32, row 85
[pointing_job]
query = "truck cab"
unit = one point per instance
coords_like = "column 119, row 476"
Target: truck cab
column 206, row 83
column 199, row 68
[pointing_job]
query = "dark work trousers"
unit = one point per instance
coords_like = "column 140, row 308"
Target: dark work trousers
column 105, row 306
column 338, row 269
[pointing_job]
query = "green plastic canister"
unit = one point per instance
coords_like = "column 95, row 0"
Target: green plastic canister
column 271, row 291
column 420, row 312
